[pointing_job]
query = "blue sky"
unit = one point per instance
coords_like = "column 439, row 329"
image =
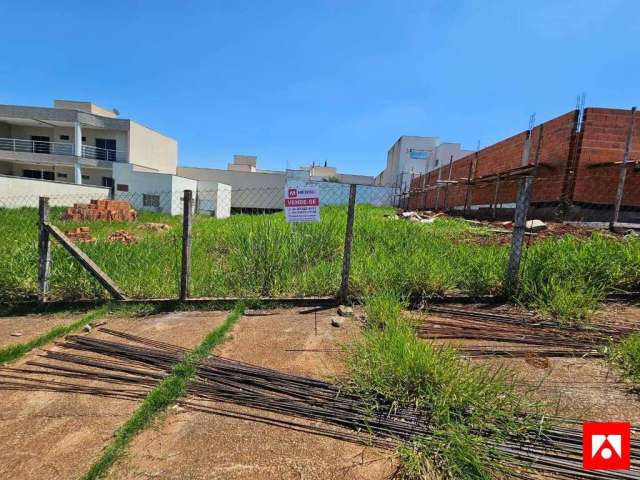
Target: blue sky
column 301, row 81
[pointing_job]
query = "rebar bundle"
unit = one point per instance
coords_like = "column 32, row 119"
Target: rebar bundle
column 522, row 336
column 128, row 369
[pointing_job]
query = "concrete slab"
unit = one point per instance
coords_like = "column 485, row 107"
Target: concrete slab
column 60, row 435
column 189, row 445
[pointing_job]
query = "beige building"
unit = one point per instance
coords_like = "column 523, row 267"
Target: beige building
column 78, row 142
column 73, row 147
column 252, row 188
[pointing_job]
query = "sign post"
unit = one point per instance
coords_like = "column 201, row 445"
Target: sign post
column 302, row 203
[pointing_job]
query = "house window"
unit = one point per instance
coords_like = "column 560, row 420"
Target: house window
column 107, row 182
column 106, row 149
column 39, row 174
column 85, row 177
column 62, row 175
column 122, row 187
column 32, row 173
column 84, row 139
column 150, row 200
column 40, row 144
column 64, row 137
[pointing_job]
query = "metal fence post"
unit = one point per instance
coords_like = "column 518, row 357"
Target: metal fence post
column 348, row 240
column 185, row 275
column 44, row 249
column 623, row 172
column 519, row 227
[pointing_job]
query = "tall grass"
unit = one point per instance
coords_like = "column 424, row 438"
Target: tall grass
column 626, row 357
column 144, row 269
column 254, row 255
column 469, row 407
column 568, row 277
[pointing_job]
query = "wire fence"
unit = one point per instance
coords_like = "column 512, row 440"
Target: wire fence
column 240, row 245
column 591, row 201
column 219, row 203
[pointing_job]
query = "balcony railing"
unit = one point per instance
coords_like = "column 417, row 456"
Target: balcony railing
column 103, row 154
column 58, row 148
column 36, row 146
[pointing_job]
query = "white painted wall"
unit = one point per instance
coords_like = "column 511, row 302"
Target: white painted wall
column 169, row 188
column 214, row 199
column 248, row 189
column 178, row 186
column 18, row 192
column 400, row 166
column 443, row 155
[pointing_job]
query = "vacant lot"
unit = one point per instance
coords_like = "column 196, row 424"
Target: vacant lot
column 246, row 255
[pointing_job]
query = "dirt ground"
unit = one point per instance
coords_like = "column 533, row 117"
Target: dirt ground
column 60, row 435
column 23, row 328
column 583, row 388
column 190, row 445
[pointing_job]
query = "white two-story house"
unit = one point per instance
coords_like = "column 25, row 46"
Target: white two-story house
column 80, row 143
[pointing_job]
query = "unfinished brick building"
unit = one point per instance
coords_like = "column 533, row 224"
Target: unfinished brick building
column 576, row 161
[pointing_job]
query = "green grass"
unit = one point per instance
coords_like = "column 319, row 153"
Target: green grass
column 13, row 352
column 466, row 403
column 626, row 357
column 255, row 255
column 161, row 397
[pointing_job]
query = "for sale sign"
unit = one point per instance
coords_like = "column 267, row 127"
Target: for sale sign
column 302, row 203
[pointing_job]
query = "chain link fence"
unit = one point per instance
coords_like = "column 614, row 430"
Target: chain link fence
column 420, row 244
column 241, row 244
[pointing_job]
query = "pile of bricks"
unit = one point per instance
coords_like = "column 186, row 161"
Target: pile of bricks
column 112, row 210
column 80, row 235
column 122, row 236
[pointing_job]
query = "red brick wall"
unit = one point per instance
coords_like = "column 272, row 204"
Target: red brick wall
column 558, row 135
column 501, row 157
column 603, row 139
